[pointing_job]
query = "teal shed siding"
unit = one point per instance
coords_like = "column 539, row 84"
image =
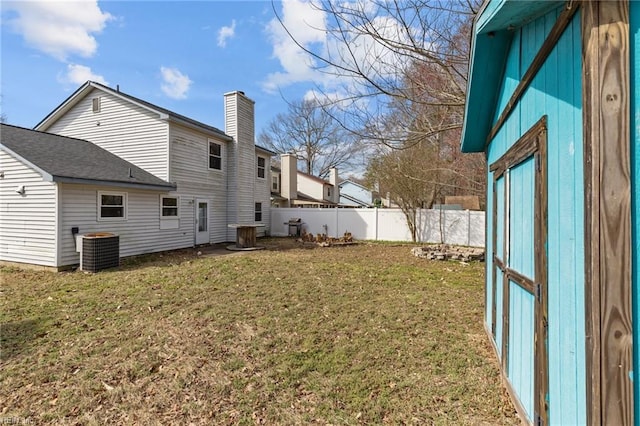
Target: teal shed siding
column 634, row 34
column 520, row 367
column 556, row 92
column 557, row 305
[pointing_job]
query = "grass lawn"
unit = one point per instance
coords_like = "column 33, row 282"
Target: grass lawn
column 363, row 334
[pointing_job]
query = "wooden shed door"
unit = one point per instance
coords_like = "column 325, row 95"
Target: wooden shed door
column 519, row 275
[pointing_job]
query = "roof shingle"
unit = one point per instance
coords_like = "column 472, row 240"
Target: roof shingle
column 74, row 160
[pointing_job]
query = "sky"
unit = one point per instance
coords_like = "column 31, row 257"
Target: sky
column 179, row 55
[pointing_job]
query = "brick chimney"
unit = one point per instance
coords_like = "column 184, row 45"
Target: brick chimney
column 289, row 176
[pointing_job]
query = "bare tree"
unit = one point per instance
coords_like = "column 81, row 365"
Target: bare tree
column 318, row 141
column 377, row 48
column 403, row 67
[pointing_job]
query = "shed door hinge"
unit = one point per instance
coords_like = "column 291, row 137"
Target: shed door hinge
column 539, row 292
column 539, row 421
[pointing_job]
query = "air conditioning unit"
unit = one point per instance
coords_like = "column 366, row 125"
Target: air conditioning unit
column 98, row 250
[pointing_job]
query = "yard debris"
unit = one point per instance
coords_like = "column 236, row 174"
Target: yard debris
column 322, row 240
column 448, row 252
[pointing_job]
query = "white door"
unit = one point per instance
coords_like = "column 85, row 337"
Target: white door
column 202, row 222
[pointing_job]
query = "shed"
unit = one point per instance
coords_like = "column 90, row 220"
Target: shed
column 552, row 101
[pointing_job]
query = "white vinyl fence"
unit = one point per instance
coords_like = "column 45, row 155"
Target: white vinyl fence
column 457, row 227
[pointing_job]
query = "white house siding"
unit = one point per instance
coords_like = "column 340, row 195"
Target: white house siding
column 190, row 170
column 121, row 127
column 262, row 194
column 239, row 124
column 230, row 125
column 311, row 187
column 27, row 223
column 140, row 233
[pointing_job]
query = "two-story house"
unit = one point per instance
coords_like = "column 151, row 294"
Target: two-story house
column 292, row 188
column 208, row 178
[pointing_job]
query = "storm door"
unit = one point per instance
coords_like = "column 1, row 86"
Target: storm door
column 519, row 274
column 202, row 222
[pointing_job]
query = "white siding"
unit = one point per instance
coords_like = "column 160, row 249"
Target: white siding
column 27, row 223
column 311, row 187
column 242, row 171
column 139, row 234
column 230, row 125
column 190, row 170
column 262, row 194
column 121, row 127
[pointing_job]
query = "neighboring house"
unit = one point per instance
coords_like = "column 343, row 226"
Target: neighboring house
column 277, row 200
column 51, row 184
column 219, row 178
column 353, row 194
column 554, row 102
column 464, row 202
column 297, row 189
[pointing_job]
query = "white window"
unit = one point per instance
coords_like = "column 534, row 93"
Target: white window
column 215, row 156
column 169, row 207
column 112, row 205
column 258, row 216
column 274, row 183
column 329, row 191
column 169, row 212
column 96, row 104
column 261, row 167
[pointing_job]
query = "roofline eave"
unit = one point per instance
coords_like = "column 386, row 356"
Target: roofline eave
column 491, row 36
column 193, row 126
column 83, row 181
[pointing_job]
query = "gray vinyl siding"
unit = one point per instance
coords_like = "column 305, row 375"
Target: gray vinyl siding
column 262, row 194
column 246, row 180
column 242, row 160
column 27, row 223
column 190, row 170
column 140, row 233
column 129, row 131
column 230, row 124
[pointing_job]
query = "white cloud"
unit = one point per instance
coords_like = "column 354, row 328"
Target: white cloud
column 307, row 25
column 59, row 28
column 79, row 74
column 226, row 33
column 175, row 84
column 310, row 27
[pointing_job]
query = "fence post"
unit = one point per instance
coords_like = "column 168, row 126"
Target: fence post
column 376, row 224
column 468, row 227
column 337, row 223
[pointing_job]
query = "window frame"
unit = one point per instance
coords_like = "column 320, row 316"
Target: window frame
column 262, row 168
column 124, row 205
column 211, row 156
column 257, row 212
column 275, row 183
column 163, row 207
column 96, row 104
